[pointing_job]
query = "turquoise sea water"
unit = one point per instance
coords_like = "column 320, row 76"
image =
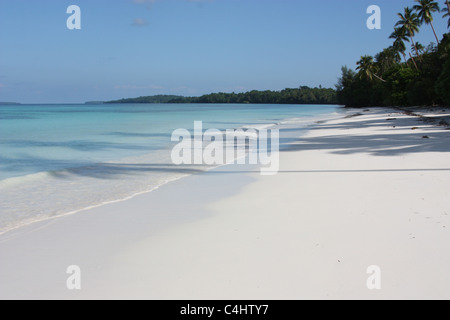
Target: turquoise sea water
column 57, row 159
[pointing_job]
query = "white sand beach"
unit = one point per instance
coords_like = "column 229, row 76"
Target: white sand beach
column 353, row 192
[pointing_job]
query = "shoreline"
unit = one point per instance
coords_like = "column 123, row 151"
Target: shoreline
column 190, row 170
column 352, row 192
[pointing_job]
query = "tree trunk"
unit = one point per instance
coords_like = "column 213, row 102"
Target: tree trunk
column 381, row 79
column 417, row 52
column 412, row 58
column 432, row 27
column 414, row 44
column 406, row 60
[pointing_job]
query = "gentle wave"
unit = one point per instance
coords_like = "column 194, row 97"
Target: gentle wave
column 50, row 194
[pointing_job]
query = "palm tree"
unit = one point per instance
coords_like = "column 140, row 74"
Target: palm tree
column 410, row 21
column 447, row 10
column 385, row 59
column 399, row 36
column 425, row 10
column 412, row 58
column 419, row 47
column 400, row 48
column 367, row 68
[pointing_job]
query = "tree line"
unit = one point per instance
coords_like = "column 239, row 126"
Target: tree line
column 302, row 95
column 421, row 78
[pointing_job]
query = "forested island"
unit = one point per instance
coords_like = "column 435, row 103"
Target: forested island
column 397, row 76
column 302, row 95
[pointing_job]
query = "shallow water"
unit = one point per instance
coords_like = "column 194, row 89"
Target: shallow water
column 58, row 159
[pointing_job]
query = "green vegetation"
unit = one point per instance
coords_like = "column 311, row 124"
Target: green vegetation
column 384, row 80
column 150, row 99
column 302, row 95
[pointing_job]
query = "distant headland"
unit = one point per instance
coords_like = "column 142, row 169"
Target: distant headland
column 9, row 103
column 302, row 95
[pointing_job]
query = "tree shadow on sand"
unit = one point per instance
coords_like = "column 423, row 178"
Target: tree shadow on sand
column 419, row 139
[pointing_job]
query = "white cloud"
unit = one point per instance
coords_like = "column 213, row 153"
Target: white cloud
column 139, row 22
column 148, row 3
column 135, row 87
column 145, row 1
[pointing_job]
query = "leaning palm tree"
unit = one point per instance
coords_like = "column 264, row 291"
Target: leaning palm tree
column 410, row 21
column 367, row 68
column 425, row 10
column 399, row 36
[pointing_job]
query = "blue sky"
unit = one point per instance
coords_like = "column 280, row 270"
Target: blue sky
column 129, row 48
